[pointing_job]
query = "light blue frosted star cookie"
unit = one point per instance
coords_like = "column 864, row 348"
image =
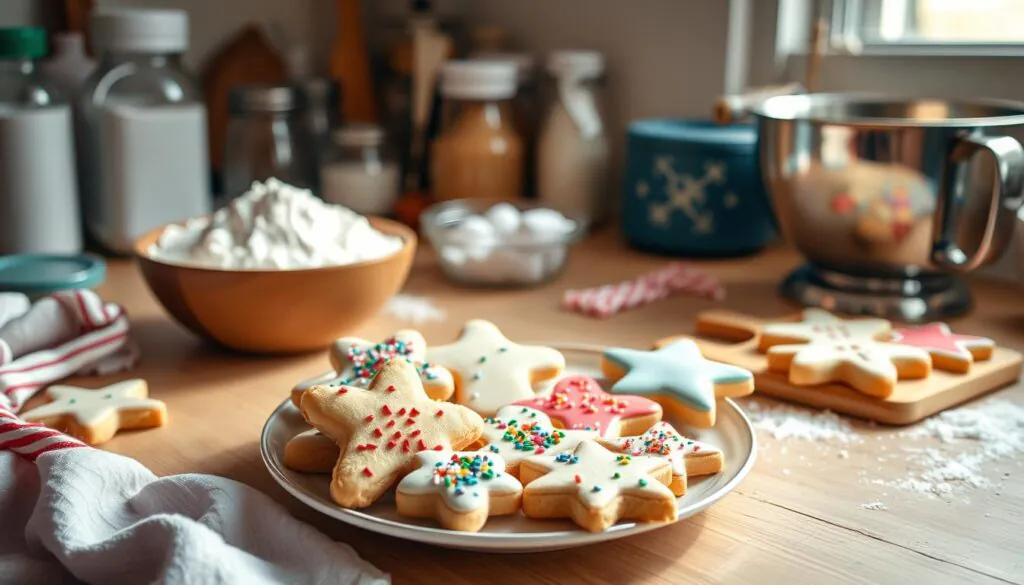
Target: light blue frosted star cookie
column 678, row 377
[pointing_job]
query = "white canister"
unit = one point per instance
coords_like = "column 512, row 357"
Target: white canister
column 572, row 148
column 359, row 172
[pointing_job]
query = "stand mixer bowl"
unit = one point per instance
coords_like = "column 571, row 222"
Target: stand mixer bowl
column 890, row 198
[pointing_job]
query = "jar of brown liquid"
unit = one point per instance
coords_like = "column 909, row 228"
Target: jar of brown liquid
column 479, row 152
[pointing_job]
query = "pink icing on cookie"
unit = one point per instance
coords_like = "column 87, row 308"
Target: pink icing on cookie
column 579, row 402
column 938, row 338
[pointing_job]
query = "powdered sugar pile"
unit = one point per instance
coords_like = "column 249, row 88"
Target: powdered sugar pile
column 944, row 455
column 416, row 310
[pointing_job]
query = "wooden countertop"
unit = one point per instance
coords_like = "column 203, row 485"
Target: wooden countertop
column 797, row 518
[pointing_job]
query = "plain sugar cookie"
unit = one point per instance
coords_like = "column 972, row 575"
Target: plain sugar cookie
column 597, row 488
column 490, row 371
column 311, row 452
column 460, row 489
column 380, row 429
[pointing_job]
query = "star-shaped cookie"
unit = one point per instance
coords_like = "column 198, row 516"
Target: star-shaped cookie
column 597, row 488
column 820, row 325
column 868, row 366
column 356, row 361
column 460, row 489
column 949, row 351
column 490, row 371
column 579, row 402
column 94, row 416
column 678, row 377
column 687, row 457
column 379, row 430
column 518, row 432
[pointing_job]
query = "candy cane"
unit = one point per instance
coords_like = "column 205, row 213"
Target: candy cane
column 677, row 278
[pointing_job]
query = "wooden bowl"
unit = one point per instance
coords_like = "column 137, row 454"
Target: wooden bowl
column 277, row 311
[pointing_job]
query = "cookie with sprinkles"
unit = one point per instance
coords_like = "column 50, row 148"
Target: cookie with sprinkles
column 490, row 371
column 579, row 403
column 688, row 458
column 311, row 452
column 460, row 489
column 380, row 429
column 518, row 432
column 356, row 361
column 597, row 487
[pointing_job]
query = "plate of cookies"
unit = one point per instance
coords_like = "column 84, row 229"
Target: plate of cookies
column 490, row 445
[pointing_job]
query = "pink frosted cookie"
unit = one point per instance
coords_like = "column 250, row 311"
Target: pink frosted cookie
column 949, row 351
column 579, row 402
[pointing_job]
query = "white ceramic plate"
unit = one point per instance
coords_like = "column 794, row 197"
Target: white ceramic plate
column 516, row 533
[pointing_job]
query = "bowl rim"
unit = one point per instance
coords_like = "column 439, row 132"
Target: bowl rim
column 140, row 250
column 477, row 206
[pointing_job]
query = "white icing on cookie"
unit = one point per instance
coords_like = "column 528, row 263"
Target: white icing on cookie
column 871, row 357
column 820, row 325
column 91, row 407
column 493, row 371
column 465, row 479
column 662, row 440
column 518, row 432
column 598, row 475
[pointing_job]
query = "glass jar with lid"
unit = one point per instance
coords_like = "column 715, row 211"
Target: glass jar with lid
column 359, row 171
column 38, row 194
column 572, row 147
column 479, row 152
column 137, row 107
column 265, row 139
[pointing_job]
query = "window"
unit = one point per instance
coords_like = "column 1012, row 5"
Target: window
column 927, row 26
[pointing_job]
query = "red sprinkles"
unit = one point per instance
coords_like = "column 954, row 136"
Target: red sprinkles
column 367, row 472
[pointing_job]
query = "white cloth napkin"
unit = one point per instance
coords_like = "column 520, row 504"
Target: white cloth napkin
column 71, row 513
column 66, row 333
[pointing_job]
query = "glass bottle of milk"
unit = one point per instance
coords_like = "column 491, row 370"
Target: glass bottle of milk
column 144, row 156
column 38, row 193
column 572, row 148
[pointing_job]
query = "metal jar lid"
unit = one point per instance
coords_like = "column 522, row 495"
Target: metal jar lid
column 264, row 98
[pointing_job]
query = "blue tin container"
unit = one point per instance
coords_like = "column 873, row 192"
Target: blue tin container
column 693, row 188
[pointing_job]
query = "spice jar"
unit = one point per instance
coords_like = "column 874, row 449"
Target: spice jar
column 38, row 195
column 265, row 139
column 479, row 152
column 572, row 149
column 144, row 144
column 359, row 171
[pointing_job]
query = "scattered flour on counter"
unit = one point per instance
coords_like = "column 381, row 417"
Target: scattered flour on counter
column 416, row 310
column 946, row 454
column 876, row 505
column 278, row 227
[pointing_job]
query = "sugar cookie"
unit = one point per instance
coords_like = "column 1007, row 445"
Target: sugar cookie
column 380, row 429
column 949, row 351
column 461, row 489
column 820, row 325
column 356, row 361
column 94, row 416
column 311, row 452
column 517, row 432
column 678, row 377
column 688, row 458
column 597, row 488
column 869, row 366
column 490, row 371
column 579, row 403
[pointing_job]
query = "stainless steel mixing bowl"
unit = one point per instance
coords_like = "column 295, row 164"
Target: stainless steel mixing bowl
column 889, row 197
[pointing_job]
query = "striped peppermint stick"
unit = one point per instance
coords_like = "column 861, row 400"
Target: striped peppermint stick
column 676, row 278
column 102, row 332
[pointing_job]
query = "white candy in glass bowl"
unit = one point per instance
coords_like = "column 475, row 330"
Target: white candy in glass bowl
column 504, row 217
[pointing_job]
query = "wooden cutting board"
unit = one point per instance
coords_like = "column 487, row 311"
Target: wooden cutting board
column 732, row 338
column 248, row 58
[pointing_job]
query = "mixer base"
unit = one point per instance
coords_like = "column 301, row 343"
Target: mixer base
column 907, row 299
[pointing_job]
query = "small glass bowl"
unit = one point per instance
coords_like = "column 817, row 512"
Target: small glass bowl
column 511, row 261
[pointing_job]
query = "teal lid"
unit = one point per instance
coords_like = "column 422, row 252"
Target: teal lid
column 24, row 41
column 36, row 274
column 703, row 133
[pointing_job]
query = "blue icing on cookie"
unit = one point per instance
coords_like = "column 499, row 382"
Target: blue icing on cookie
column 678, row 369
